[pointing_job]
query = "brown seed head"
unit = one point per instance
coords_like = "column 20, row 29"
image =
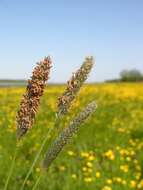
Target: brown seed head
column 31, row 99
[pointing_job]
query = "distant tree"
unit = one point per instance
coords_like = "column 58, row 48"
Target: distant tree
column 131, row 75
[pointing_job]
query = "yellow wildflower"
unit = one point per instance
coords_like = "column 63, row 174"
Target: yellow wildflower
column 133, row 184
column 88, row 179
column 84, row 169
column 97, row 174
column 62, row 168
column 124, row 168
column 74, row 176
column 71, row 153
column 85, row 154
column 109, row 181
column 140, row 185
column 91, row 157
column 89, row 164
column 109, row 154
column 106, row 188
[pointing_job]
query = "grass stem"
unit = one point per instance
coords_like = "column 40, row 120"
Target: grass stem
column 37, row 182
column 11, row 169
column 36, row 158
column 56, row 126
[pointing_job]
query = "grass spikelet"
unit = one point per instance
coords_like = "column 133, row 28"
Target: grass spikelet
column 74, row 85
column 67, row 134
column 31, row 99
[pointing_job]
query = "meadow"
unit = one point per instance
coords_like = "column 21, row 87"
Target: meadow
column 105, row 155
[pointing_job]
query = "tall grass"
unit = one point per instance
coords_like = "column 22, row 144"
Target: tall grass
column 29, row 106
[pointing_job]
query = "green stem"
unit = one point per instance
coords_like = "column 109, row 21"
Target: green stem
column 38, row 154
column 11, row 169
column 35, row 160
column 37, row 182
column 57, row 121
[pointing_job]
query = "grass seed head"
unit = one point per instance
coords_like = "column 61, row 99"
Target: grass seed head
column 31, row 99
column 67, row 134
column 74, row 85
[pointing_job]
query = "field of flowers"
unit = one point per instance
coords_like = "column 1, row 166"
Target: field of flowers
column 107, row 153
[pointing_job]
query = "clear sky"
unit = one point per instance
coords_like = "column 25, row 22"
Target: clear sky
column 69, row 30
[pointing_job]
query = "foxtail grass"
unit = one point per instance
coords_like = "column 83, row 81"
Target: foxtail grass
column 77, row 81
column 64, row 138
column 67, row 134
column 31, row 99
column 73, row 86
column 29, row 104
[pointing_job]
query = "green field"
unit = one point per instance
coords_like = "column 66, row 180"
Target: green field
column 106, row 154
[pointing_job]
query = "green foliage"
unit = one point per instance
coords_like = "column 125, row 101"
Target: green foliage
column 118, row 117
column 131, row 75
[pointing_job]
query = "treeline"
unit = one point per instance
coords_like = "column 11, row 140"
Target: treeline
column 12, row 82
column 133, row 75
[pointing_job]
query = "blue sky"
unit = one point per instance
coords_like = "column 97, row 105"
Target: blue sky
column 69, row 30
